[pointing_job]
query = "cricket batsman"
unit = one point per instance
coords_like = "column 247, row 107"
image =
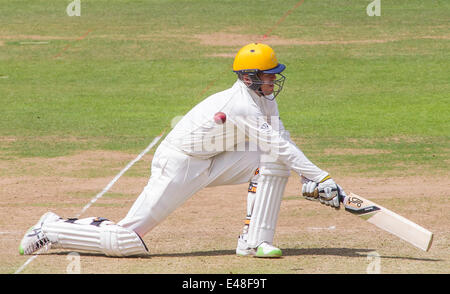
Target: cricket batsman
column 232, row 137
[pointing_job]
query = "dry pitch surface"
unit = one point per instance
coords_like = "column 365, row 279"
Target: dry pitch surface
column 200, row 236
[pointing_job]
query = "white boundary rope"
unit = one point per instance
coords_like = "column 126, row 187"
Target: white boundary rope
column 99, row 195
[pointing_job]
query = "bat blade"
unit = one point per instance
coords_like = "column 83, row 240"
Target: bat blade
column 389, row 221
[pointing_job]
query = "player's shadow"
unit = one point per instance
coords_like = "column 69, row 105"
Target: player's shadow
column 344, row 252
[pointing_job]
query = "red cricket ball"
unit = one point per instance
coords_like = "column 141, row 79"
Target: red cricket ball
column 220, row 117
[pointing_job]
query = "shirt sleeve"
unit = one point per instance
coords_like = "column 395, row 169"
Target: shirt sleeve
column 275, row 141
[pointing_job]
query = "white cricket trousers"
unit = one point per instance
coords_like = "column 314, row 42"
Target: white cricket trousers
column 175, row 177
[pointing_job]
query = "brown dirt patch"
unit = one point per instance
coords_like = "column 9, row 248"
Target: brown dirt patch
column 437, row 37
column 75, row 162
column 225, row 55
column 346, row 151
column 34, row 37
column 230, row 39
column 7, row 139
column 200, row 236
column 237, row 40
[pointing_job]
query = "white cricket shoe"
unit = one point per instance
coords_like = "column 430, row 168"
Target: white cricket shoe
column 34, row 238
column 264, row 250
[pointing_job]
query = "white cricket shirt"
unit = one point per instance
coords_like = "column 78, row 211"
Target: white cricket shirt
column 252, row 123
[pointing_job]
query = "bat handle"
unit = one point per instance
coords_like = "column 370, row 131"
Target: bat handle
column 340, row 195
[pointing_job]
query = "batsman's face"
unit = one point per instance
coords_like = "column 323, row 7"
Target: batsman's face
column 268, row 83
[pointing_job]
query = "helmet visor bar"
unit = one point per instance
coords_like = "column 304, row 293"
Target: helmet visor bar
column 278, row 84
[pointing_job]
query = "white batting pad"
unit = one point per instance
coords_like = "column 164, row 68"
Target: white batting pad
column 271, row 185
column 94, row 234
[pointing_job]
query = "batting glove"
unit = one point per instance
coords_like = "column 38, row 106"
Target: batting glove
column 326, row 192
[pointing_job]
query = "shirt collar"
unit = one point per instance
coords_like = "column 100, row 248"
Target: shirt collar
column 252, row 93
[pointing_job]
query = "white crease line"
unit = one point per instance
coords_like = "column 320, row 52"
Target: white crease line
column 26, row 263
column 150, row 146
column 33, row 43
column 329, row 228
column 10, row 232
column 99, row 195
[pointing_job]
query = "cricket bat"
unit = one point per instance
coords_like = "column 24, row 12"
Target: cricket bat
column 389, row 221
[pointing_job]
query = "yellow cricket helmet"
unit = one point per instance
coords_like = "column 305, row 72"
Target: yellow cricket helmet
column 256, row 57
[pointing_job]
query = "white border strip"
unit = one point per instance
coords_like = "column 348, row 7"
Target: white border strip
column 99, row 195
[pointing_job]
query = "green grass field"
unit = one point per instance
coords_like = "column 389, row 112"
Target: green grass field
column 141, row 64
column 369, row 94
